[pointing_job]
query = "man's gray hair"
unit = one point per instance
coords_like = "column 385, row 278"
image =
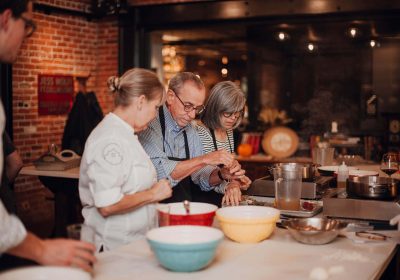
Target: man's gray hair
column 177, row 82
column 224, row 97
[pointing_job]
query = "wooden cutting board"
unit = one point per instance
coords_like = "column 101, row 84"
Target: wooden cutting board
column 280, row 142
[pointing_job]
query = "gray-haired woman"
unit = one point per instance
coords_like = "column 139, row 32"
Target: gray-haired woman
column 118, row 181
column 223, row 113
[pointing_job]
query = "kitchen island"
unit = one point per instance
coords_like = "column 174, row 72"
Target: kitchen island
column 279, row 257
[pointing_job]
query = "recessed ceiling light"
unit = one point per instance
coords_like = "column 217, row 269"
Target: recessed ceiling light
column 311, row 47
column 373, row 43
column 282, row 36
column 353, row 32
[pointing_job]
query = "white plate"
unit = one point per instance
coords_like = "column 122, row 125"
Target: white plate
column 334, row 168
column 45, row 273
column 361, row 173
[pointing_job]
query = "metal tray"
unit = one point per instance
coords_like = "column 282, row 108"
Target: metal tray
column 309, row 209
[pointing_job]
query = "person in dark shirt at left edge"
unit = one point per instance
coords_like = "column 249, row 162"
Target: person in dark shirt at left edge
column 12, row 165
column 16, row 24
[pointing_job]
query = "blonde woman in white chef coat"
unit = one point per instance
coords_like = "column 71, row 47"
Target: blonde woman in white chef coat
column 118, row 182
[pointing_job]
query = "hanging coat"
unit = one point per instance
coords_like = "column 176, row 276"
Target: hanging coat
column 84, row 116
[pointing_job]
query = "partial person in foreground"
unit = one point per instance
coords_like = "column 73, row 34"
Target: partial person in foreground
column 12, row 165
column 223, row 113
column 118, row 182
column 175, row 149
column 16, row 24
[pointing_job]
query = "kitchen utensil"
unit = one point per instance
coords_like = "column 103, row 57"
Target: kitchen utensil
column 308, row 208
column 200, row 214
column 280, row 142
column 329, row 170
column 390, row 163
column 361, row 173
column 314, row 231
column 323, row 156
column 307, row 169
column 373, row 187
column 372, row 235
column 184, row 248
column 287, row 179
column 186, row 205
column 247, row 224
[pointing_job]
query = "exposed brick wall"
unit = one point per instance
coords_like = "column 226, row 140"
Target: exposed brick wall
column 80, row 5
column 107, row 61
column 62, row 44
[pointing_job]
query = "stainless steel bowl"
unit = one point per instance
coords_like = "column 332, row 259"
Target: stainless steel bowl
column 315, row 231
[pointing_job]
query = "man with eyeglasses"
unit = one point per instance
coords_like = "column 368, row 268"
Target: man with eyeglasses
column 15, row 25
column 175, row 148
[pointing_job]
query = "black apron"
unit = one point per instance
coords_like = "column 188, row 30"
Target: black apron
column 211, row 196
column 183, row 190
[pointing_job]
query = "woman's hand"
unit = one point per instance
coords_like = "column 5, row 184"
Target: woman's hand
column 245, row 182
column 233, row 172
column 161, row 190
column 220, row 157
column 65, row 252
column 233, row 195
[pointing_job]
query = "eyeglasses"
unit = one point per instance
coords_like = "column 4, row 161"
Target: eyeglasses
column 235, row 114
column 30, row 26
column 188, row 107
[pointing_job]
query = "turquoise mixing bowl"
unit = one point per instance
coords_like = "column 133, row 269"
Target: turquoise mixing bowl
column 184, row 248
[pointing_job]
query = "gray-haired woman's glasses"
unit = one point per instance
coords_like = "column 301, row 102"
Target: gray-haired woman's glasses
column 30, row 26
column 235, row 114
column 188, row 107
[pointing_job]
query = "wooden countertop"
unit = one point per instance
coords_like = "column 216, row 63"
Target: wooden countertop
column 279, row 257
column 72, row 173
column 270, row 159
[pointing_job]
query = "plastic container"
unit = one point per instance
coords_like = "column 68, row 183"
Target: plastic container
column 343, row 175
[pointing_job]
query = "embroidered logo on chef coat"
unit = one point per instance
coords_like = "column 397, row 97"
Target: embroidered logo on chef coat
column 112, row 154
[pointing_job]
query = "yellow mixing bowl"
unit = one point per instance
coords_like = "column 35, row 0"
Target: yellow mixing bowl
column 247, row 224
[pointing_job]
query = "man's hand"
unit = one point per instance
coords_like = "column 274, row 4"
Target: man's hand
column 66, row 252
column 220, row 157
column 232, row 172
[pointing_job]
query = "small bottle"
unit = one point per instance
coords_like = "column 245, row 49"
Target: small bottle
column 343, row 174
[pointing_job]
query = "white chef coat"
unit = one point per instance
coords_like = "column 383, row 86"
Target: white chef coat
column 114, row 164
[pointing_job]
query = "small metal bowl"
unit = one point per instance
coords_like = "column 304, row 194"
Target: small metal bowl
column 314, row 231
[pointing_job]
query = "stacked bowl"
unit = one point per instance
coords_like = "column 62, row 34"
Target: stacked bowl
column 201, row 214
column 185, row 241
column 184, row 248
column 248, row 224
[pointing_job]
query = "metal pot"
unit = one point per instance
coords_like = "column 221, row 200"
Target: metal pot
column 307, row 169
column 373, row 187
